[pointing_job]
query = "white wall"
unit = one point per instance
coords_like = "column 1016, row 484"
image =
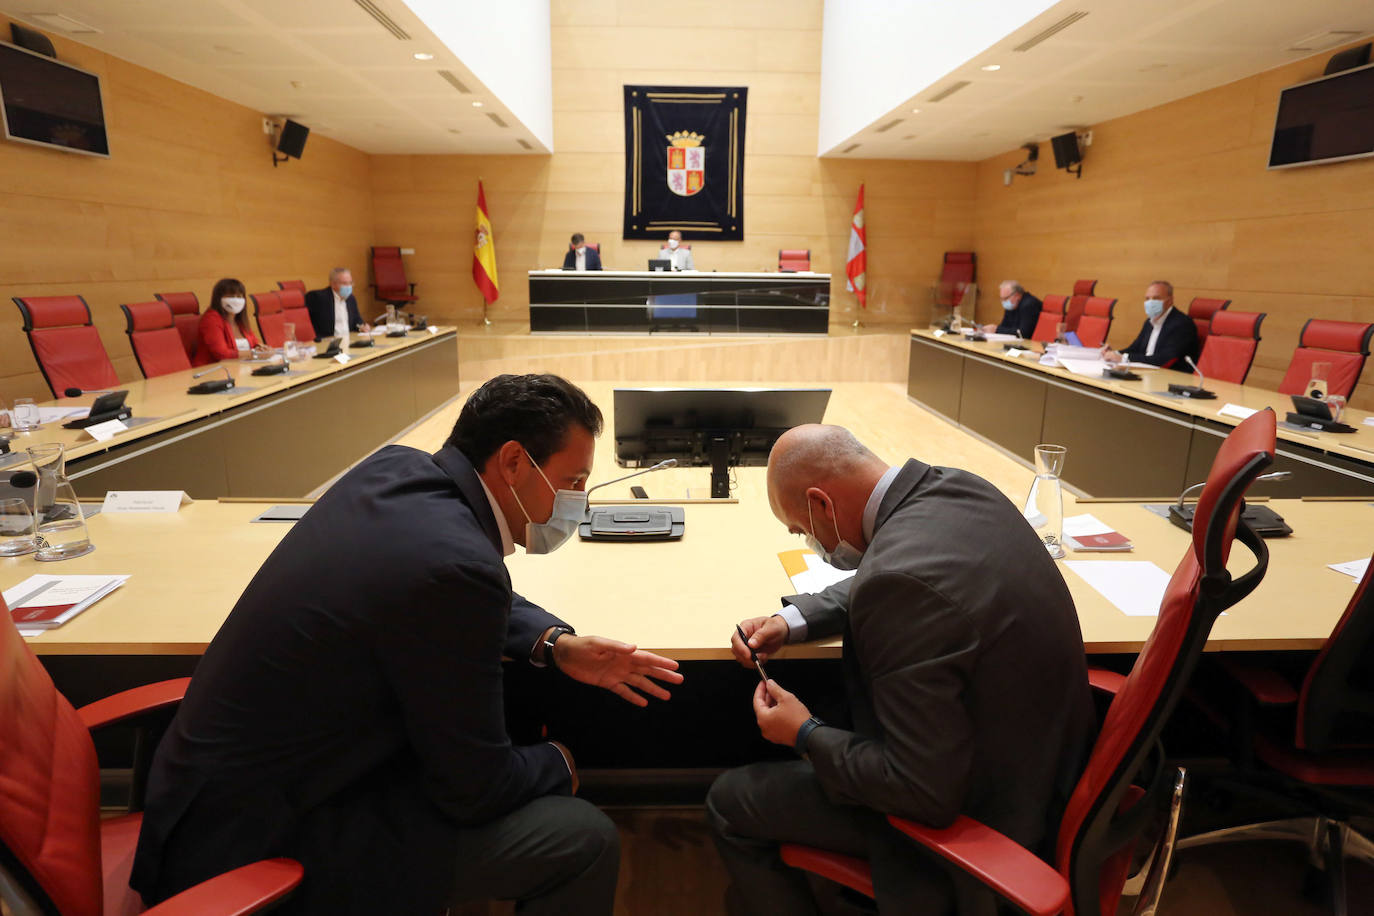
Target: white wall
column 876, row 54
column 506, row 45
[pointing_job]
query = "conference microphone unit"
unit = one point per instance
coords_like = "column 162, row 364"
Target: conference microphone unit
column 634, row 523
column 78, row 392
column 1266, row 522
column 665, row 463
column 1196, row 392
column 213, row 385
column 109, row 406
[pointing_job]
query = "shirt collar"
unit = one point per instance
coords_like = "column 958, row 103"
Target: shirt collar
column 338, row 298
column 875, row 499
column 507, row 542
column 1159, row 322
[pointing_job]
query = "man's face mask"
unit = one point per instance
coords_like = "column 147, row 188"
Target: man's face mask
column 569, row 509
column 845, row 556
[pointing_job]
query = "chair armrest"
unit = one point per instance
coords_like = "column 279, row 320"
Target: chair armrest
column 997, row 861
column 853, row 873
column 244, row 890
column 1105, row 681
column 1268, row 687
column 130, row 703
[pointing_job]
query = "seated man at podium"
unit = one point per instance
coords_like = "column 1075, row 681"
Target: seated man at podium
column 1166, row 337
column 680, row 258
column 966, row 690
column 1020, row 313
column 580, row 256
column 334, row 309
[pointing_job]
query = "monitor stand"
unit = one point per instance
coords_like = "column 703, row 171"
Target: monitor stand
column 719, row 450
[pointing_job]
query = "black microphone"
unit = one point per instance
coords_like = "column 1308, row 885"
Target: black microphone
column 215, row 384
column 22, row 480
column 77, row 392
column 665, row 463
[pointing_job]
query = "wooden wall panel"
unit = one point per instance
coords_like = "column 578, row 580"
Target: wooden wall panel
column 915, row 210
column 188, row 195
column 1180, row 192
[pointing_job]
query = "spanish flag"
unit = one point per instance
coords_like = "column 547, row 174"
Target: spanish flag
column 484, row 253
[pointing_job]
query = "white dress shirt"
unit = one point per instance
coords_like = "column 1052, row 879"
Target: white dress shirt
column 507, row 542
column 341, row 328
column 679, row 258
column 1157, row 326
column 579, row 259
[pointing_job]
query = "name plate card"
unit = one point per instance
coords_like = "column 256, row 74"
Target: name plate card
column 104, row 432
column 145, row 500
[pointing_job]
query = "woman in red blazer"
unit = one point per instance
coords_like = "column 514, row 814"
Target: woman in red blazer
column 224, row 331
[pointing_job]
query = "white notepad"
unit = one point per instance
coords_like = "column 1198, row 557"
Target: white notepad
column 1135, row 587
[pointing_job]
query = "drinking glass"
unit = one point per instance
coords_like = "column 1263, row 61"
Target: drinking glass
column 1044, row 508
column 17, row 536
column 288, row 345
column 61, row 525
column 25, row 414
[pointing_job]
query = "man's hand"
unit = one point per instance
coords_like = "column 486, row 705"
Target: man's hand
column 766, row 636
column 988, row 328
column 618, row 667
column 568, row 759
column 1111, row 355
column 780, row 714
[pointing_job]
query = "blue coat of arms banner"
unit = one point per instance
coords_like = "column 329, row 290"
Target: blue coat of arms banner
column 684, row 162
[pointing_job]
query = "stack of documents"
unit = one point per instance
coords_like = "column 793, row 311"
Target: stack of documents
column 809, row 573
column 1087, row 532
column 43, row 602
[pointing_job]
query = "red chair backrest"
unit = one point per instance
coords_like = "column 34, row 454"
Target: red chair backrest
column 1202, row 311
column 595, row 246
column 293, row 311
column 1334, row 709
column 1073, row 312
column 1230, row 347
column 791, row 260
column 186, row 313
column 1096, row 322
column 65, row 343
column 1343, row 344
column 1051, row 313
column 1200, row 589
column 291, row 284
column 388, row 271
column 49, row 784
column 959, row 267
column 154, row 338
column 267, row 308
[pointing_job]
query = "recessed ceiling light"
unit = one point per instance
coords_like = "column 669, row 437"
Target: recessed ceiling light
column 421, row 55
column 476, row 104
column 992, row 67
column 915, row 111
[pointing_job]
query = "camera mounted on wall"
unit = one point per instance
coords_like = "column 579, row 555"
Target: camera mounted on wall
column 1025, row 168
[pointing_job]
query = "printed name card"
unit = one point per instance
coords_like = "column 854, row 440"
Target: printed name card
column 145, row 500
column 342, row 358
column 1237, row 411
column 104, row 432
column 433, row 329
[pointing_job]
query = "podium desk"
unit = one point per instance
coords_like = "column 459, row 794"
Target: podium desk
column 708, row 302
column 275, row 435
column 1125, row 438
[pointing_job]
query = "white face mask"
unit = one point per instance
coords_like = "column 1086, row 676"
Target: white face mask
column 233, row 304
column 845, row 556
column 569, row 509
column 672, row 243
column 1154, row 308
column 581, row 249
column 1008, row 304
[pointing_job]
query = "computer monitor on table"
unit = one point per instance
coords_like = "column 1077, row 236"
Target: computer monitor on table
column 718, row 428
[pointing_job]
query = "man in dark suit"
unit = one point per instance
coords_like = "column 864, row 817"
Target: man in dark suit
column 580, row 255
column 349, row 713
column 334, row 309
column 1020, row 312
column 1166, row 337
column 966, row 682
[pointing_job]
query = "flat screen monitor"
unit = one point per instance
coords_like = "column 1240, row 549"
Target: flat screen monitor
column 49, row 103
column 659, row 264
column 718, row 428
column 1328, row 119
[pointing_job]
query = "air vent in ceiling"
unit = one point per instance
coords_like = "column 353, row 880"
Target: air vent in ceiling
column 1326, row 38
column 888, row 126
column 63, row 23
column 947, row 91
column 1051, row 31
column 496, row 119
column 453, row 81
column 525, row 144
column 376, row 12
column 850, row 148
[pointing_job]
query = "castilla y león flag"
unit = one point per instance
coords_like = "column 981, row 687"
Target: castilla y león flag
column 857, row 268
column 484, row 253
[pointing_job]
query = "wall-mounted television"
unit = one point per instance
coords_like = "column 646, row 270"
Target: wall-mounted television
column 1328, row 119
column 49, row 103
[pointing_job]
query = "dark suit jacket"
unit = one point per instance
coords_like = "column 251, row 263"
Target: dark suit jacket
column 349, row 712
column 320, row 304
column 1177, row 339
column 593, row 259
column 1022, row 318
column 964, row 671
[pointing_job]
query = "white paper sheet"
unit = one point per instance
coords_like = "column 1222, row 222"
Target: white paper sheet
column 1237, row 411
column 1355, row 569
column 818, row 576
column 1135, row 587
column 1369, row 421
column 1092, row 368
column 1084, row 525
column 994, row 337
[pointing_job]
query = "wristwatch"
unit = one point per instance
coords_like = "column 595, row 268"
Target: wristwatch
column 804, row 734
column 549, row 640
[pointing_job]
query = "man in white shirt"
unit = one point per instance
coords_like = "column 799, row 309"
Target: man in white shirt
column 334, row 309
column 1167, row 339
column 680, row 258
column 581, row 256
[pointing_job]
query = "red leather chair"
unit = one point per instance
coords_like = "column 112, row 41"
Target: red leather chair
column 293, row 311
column 389, row 277
column 1051, row 314
column 1231, row 344
column 154, row 338
column 595, row 246
column 186, row 313
column 1082, row 291
column 1202, row 311
column 957, row 286
column 1313, row 737
column 1096, row 322
column 793, row 260
column 65, row 344
column 1343, row 344
column 271, row 323
column 292, row 284
column 56, row 852
column 1115, row 799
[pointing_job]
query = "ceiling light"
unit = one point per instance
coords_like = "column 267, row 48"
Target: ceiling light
column 476, row 104
column 915, row 111
column 991, row 67
column 421, row 55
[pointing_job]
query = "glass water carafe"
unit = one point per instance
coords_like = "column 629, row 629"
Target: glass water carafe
column 1044, row 508
column 61, row 524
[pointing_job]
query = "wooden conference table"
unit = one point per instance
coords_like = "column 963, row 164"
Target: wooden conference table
column 1125, row 438
column 282, row 435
